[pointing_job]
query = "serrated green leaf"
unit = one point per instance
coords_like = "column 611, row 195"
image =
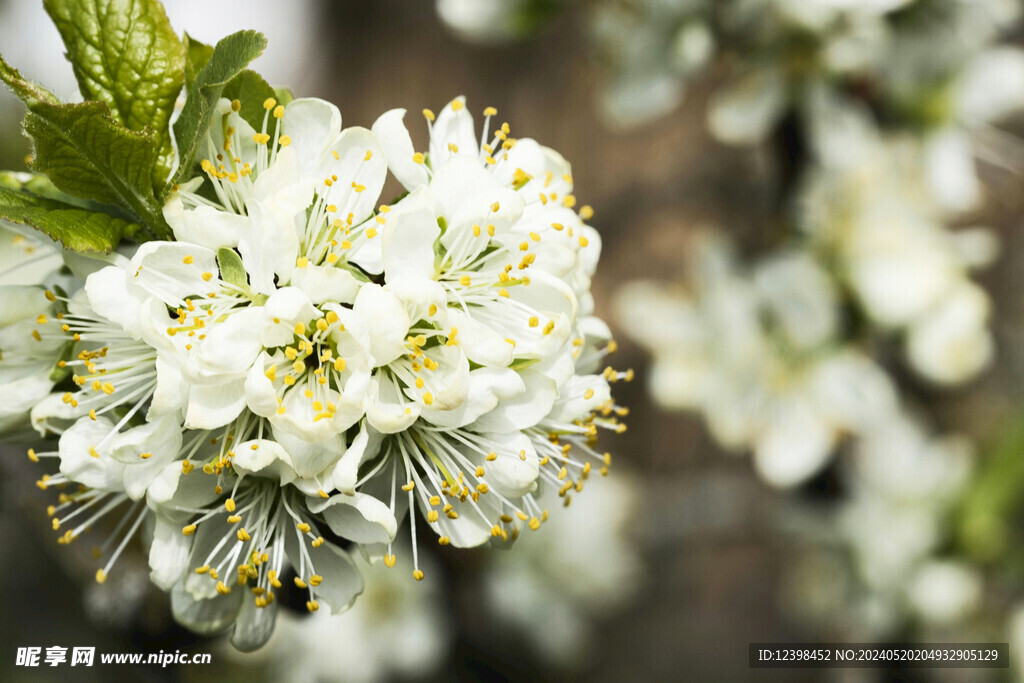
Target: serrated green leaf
column 87, row 154
column 125, row 53
column 197, row 54
column 76, row 228
column 231, row 269
column 251, row 91
column 229, row 58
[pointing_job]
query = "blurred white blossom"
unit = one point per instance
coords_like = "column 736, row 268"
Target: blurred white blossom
column 760, row 357
column 583, row 566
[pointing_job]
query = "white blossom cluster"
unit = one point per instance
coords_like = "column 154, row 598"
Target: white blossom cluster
column 302, row 365
column 880, row 559
column 910, row 58
column 761, row 357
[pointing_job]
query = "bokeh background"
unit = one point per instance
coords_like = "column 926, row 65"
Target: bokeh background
column 685, row 554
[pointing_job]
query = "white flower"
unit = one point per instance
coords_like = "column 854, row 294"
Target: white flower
column 296, row 356
column 28, row 351
column 760, row 359
column 495, row 21
column 873, row 211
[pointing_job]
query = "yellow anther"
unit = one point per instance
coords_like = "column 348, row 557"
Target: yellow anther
column 234, row 519
column 300, row 329
column 417, row 574
column 534, row 321
column 222, row 588
column 431, row 516
column 269, row 103
column 229, row 504
column 188, row 530
column 490, row 111
column 243, row 535
column 207, row 276
column 285, row 140
column 299, row 583
column 312, row 605
column 465, row 281
column 428, row 398
column 534, row 523
column 457, row 105
column 409, row 487
column 418, row 157
column 101, row 576
column 428, row 115
column 390, row 560
column 301, row 262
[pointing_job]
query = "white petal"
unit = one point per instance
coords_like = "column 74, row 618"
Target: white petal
column 354, row 159
column 204, row 225
column 253, row 626
column 398, row 149
column 387, row 321
column 342, row 582
column 111, row 297
column 230, row 347
column 77, row 462
column 208, row 616
column 524, row 410
column 454, row 126
column 744, row 112
column 312, row 124
column 386, row 410
column 326, row 283
column 168, row 552
column 358, row 517
column 263, row 457
column 793, row 446
column 214, row 405
column 287, row 306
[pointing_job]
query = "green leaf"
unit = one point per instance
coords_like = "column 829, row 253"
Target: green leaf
column 29, row 92
column 87, row 154
column 197, row 54
column 284, row 95
column 231, row 269
column 523, row 363
column 251, row 91
column 125, row 53
column 76, row 228
column 229, row 58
